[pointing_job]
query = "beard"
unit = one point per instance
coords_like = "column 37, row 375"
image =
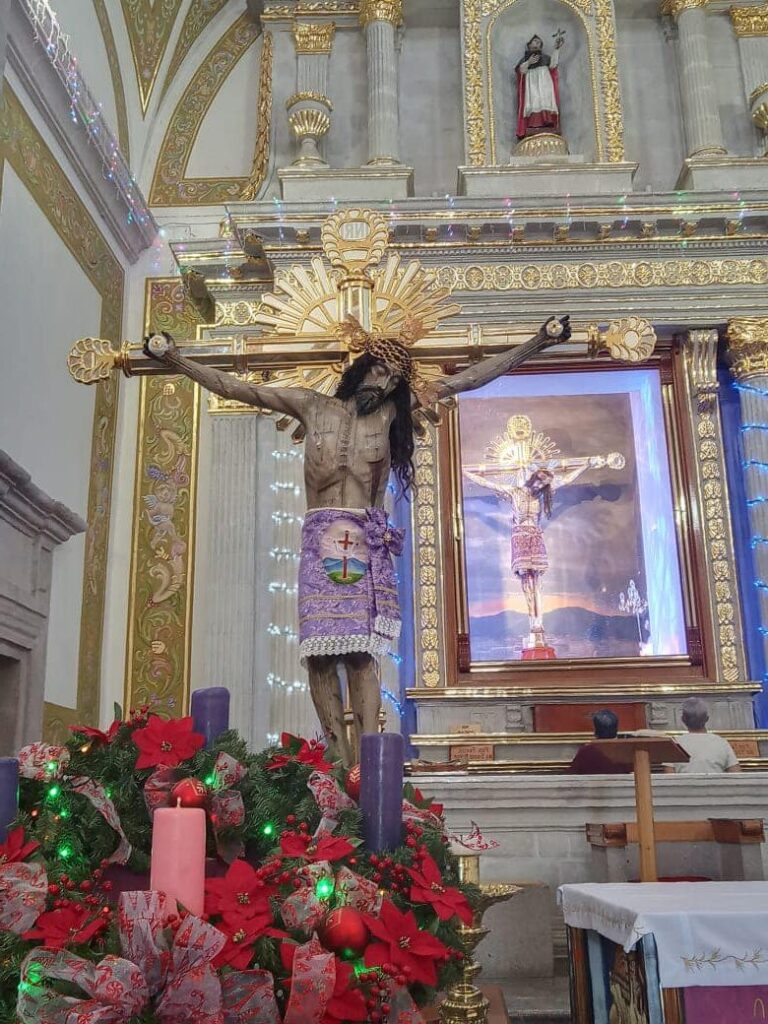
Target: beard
column 369, row 399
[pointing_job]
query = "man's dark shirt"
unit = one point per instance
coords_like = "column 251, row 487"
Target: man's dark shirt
column 591, row 760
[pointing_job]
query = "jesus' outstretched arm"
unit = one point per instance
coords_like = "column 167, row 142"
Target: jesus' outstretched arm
column 489, row 485
column 293, row 402
column 553, row 332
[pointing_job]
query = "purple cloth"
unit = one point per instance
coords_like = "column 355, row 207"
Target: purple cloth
column 347, row 586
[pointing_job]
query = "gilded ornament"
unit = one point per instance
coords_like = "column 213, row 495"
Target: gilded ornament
column 761, row 90
column 149, row 24
column 630, row 340
column 308, row 95
column 701, row 360
column 200, row 13
column 260, row 164
column 278, row 12
column 673, row 8
column 160, row 587
column 26, row 152
column 91, row 360
column 748, row 346
column 355, row 239
column 313, row 38
column 170, row 186
column 609, row 71
column 542, row 145
column 381, row 10
column 750, row 21
column 309, row 122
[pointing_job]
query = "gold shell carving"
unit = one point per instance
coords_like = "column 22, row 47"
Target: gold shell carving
column 355, row 239
column 630, row 340
column 91, row 360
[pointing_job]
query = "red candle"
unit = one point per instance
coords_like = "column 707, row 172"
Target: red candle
column 178, row 855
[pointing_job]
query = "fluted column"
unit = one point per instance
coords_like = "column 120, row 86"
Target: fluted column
column 748, row 349
column 309, row 109
column 751, row 27
column 380, row 20
column 701, row 111
column 230, row 542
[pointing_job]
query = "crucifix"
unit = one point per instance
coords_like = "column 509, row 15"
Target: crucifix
column 346, row 352
column 523, row 471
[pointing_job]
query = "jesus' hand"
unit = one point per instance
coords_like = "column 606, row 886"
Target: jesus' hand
column 158, row 346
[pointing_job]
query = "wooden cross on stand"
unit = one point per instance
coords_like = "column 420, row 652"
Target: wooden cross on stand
column 304, row 337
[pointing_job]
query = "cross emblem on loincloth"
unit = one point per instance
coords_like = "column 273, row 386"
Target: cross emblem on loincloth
column 346, row 543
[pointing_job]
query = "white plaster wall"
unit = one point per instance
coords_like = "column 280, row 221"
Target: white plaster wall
column 225, row 142
column 78, row 19
column 430, row 107
column 45, row 418
column 346, row 144
column 650, row 95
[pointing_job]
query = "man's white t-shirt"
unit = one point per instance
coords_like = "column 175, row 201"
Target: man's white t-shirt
column 709, row 753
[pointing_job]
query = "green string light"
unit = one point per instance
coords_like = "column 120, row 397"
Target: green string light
column 51, row 766
column 64, row 852
column 324, row 888
column 209, row 780
column 53, row 792
column 268, row 829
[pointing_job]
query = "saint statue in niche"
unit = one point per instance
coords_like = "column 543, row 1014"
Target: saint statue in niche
column 538, row 89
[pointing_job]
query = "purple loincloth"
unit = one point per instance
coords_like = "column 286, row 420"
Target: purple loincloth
column 347, row 586
column 528, row 551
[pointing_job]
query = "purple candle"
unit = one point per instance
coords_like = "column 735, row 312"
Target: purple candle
column 210, row 712
column 9, row 793
column 381, row 789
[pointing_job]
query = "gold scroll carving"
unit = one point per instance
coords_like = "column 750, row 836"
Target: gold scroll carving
column 748, row 346
column 200, row 13
column 149, row 24
column 26, row 152
column 750, row 21
column 675, row 7
column 313, row 38
column 117, row 78
column 381, row 10
column 701, row 360
column 612, row 113
column 263, row 122
column 160, row 594
column 170, row 186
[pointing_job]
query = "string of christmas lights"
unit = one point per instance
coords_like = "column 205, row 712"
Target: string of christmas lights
column 84, row 108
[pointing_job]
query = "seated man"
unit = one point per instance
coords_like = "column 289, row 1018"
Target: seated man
column 710, row 754
column 591, row 760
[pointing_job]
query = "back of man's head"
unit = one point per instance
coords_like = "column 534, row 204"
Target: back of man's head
column 606, row 725
column 695, row 713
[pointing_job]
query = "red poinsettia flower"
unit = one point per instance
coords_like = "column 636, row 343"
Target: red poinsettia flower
column 324, row 847
column 240, row 895
column 96, row 734
column 14, row 848
column 346, row 1003
column 428, row 888
column 425, row 804
column 306, row 752
column 403, row 944
column 241, row 938
column 72, row 924
column 166, row 743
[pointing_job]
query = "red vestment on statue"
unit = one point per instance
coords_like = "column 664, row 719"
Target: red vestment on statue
column 539, row 120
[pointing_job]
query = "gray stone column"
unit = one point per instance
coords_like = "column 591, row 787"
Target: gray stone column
column 751, row 27
column 228, row 613
column 380, row 20
column 701, row 112
column 748, row 347
column 309, row 109
column 5, row 13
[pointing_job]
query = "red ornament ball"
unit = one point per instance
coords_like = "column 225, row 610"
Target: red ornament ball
column 352, row 782
column 190, row 792
column 345, row 932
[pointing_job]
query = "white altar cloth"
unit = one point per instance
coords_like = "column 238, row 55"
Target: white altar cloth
column 707, row 933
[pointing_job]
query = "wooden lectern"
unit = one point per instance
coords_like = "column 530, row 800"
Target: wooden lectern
column 640, row 752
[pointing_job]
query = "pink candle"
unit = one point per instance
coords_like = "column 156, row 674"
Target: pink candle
column 178, row 855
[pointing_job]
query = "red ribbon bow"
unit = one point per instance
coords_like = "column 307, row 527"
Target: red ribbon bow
column 179, row 978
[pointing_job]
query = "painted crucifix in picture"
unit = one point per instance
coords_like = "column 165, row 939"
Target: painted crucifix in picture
column 538, row 89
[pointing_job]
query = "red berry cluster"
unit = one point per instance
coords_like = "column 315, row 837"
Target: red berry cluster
column 389, row 875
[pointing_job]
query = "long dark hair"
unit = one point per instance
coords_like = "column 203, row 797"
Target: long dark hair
column 545, row 494
column 401, row 430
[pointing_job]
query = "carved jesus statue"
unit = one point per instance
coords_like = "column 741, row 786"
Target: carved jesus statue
column 348, row 602
column 528, row 492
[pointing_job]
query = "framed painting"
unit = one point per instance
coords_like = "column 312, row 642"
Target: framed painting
column 568, row 547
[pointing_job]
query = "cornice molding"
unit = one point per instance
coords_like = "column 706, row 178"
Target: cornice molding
column 30, row 510
column 750, row 21
column 51, row 100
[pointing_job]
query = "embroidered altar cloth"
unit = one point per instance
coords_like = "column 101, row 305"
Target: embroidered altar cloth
column 707, row 933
